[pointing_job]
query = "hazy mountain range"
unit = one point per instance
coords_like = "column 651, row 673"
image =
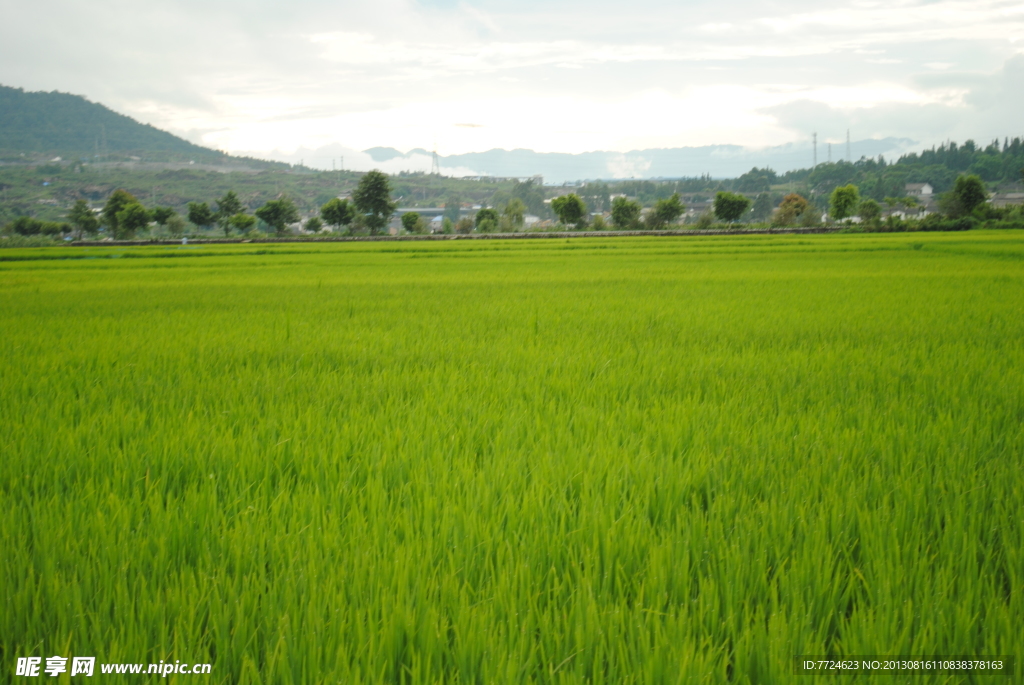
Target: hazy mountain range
column 718, row 161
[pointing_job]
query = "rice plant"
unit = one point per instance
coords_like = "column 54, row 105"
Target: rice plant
column 660, row 460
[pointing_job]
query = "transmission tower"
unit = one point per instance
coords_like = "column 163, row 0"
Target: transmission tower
column 814, row 137
column 849, row 158
column 435, row 165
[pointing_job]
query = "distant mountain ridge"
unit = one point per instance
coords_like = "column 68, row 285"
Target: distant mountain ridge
column 719, row 161
column 70, row 126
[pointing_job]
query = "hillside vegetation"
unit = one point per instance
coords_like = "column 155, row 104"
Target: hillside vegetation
column 39, row 124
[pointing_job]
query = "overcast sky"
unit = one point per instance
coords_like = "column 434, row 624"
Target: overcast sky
column 566, row 76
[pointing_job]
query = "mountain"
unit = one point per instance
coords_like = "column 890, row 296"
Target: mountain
column 40, row 124
column 718, row 161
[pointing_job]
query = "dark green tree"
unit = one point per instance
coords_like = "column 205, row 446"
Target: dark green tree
column 200, row 214
column 161, row 214
column 483, row 217
column 243, row 223
column 337, row 212
column 969, row 192
column 730, row 206
column 83, row 219
column 665, row 212
column 227, row 207
column 278, row 214
column 869, row 212
column 625, row 213
column 26, row 225
column 843, row 202
column 313, row 224
column 132, row 219
column 570, row 210
column 373, row 198
column 412, row 222
column 118, row 200
column 55, row 228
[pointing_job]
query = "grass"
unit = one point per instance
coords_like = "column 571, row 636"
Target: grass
column 633, row 460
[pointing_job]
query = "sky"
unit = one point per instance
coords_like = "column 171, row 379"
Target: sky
column 329, row 79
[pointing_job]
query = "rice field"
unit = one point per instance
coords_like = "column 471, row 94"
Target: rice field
column 658, row 460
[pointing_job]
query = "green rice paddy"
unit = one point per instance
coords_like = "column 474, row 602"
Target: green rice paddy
column 660, row 460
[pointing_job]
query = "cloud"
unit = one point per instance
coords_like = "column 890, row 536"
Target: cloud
column 963, row 105
column 550, row 76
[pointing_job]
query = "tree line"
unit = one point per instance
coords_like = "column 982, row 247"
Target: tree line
column 371, row 207
column 124, row 216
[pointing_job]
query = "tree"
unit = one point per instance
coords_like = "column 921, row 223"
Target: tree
column 131, row 219
column 176, row 225
column 665, row 212
column 570, row 210
column 411, row 222
column 464, row 225
column 337, row 212
column 453, row 208
column 26, row 225
column 730, row 206
column 532, row 196
column 625, row 213
column 705, row 221
column 227, row 207
column 243, row 223
column 278, row 214
column 313, row 224
column 792, row 207
column 756, row 180
column 486, row 220
column 446, row 225
column 118, row 200
column 969, row 192
column 54, row 228
column 762, row 210
column 161, row 214
column 869, row 211
column 514, row 215
column 843, row 202
column 83, row 219
column 373, row 198
column 200, row 214
column 811, row 216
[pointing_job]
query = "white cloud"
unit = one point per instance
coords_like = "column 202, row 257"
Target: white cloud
column 553, row 77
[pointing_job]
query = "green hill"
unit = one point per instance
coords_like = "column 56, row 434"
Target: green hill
column 43, row 125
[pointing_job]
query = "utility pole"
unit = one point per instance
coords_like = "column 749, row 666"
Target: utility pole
column 814, row 137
